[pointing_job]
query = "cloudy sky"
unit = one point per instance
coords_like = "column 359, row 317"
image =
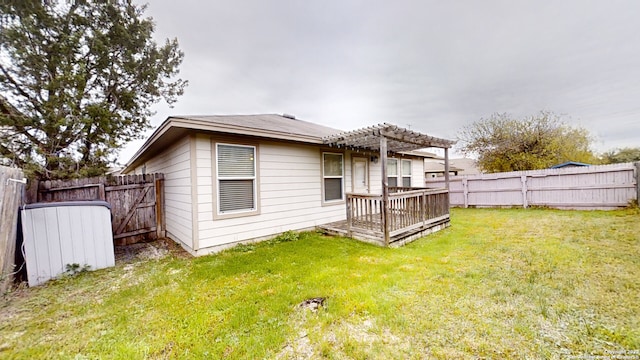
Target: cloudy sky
column 433, row 66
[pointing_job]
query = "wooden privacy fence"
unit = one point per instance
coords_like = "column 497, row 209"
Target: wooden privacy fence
column 11, row 190
column 136, row 202
column 603, row 187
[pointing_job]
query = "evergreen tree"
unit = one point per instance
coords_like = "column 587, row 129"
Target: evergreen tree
column 78, row 79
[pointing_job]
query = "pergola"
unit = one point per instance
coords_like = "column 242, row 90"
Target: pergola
column 389, row 139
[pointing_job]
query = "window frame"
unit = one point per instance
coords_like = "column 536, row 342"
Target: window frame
column 397, row 174
column 402, row 174
column 341, row 177
column 255, row 210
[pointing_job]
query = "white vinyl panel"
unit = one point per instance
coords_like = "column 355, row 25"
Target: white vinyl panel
column 287, row 165
column 290, row 173
column 232, row 234
column 205, row 206
column 205, row 216
column 88, row 237
column 268, row 187
column 175, row 164
column 280, row 180
column 292, row 198
column 77, row 240
column 103, row 237
column 32, row 254
column 206, row 191
column 53, row 243
column 67, row 242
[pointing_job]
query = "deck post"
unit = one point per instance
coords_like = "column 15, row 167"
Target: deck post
column 349, row 220
column 637, row 164
column 385, row 189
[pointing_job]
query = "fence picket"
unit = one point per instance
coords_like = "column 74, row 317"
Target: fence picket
column 591, row 187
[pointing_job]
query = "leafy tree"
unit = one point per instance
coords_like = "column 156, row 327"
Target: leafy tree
column 78, row 79
column 503, row 143
column 627, row 154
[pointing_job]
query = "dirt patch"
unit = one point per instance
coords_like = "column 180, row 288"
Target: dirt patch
column 157, row 249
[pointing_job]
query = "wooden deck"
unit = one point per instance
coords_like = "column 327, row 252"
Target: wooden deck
column 410, row 214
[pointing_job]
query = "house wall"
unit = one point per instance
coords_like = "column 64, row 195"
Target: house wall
column 175, row 164
column 290, row 193
column 375, row 173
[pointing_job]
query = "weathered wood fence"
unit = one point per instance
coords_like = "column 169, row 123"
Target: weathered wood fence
column 11, row 190
column 408, row 209
column 136, row 202
column 603, row 187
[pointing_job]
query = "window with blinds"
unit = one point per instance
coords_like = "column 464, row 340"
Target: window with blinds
column 332, row 176
column 406, row 173
column 236, row 171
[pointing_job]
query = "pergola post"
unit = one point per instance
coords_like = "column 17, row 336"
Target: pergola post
column 385, row 189
column 446, row 168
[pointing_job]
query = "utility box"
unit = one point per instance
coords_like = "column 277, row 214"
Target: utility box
column 66, row 236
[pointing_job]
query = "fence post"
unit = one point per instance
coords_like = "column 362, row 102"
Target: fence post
column 523, row 179
column 160, row 226
column 637, row 164
column 10, row 197
column 465, row 189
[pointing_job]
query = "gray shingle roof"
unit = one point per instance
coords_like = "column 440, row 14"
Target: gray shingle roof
column 268, row 122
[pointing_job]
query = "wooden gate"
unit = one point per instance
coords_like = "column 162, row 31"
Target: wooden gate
column 136, row 202
column 11, row 189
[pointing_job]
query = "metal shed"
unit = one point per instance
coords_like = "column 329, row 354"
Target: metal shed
column 61, row 235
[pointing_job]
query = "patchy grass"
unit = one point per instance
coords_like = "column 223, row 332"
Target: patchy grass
column 497, row 284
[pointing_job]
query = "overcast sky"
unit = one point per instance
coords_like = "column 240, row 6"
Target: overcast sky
column 431, row 65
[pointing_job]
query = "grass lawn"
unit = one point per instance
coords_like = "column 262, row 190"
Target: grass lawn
column 497, row 284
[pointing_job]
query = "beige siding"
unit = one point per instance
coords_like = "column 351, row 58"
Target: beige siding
column 417, row 172
column 375, row 179
column 290, row 193
column 174, row 163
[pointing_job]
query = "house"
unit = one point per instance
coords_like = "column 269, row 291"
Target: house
column 462, row 166
column 241, row 178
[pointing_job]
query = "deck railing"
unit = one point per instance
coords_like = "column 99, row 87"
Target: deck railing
column 407, row 209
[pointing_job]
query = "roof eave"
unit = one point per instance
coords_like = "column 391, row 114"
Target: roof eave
column 203, row 125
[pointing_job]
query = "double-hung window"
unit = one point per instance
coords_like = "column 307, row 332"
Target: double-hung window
column 406, row 173
column 392, row 172
column 236, row 177
column 398, row 173
column 333, row 176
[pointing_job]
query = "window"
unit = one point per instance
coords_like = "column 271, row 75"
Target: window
column 332, row 176
column 406, row 173
column 392, row 172
column 236, row 171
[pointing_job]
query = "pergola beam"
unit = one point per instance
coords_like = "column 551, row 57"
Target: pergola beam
column 398, row 139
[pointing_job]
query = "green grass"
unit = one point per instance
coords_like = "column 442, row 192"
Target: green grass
column 497, row 284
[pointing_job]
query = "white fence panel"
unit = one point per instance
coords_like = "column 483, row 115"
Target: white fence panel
column 64, row 235
column 592, row 187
